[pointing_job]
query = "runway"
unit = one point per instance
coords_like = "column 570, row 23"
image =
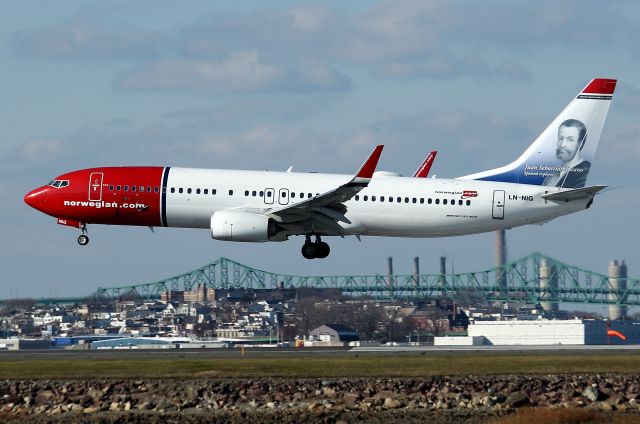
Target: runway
column 254, row 352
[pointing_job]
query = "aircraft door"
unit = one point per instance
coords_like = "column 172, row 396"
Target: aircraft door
column 95, row 186
column 283, row 196
column 498, row 204
column 269, row 195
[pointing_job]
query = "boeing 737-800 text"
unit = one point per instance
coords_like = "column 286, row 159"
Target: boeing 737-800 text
column 545, row 182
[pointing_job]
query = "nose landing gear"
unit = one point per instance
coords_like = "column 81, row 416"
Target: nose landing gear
column 83, row 239
column 315, row 250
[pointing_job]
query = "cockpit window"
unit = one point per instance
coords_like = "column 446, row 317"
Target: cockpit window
column 58, row 183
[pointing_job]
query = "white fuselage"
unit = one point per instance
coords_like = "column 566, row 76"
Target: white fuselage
column 418, row 208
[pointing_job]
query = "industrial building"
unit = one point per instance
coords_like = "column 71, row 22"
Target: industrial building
column 20, row 344
column 552, row 332
column 332, row 335
column 140, row 343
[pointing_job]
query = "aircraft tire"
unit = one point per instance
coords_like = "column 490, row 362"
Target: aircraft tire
column 83, row 240
column 309, row 250
column 322, row 250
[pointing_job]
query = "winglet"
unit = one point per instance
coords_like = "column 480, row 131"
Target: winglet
column 423, row 170
column 368, row 168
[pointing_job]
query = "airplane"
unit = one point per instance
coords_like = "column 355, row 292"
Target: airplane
column 425, row 167
column 543, row 183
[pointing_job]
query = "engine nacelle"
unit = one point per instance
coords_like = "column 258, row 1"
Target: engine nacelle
column 242, row 226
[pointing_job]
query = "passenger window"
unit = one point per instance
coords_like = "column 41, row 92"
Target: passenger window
column 468, row 202
column 366, row 198
column 142, row 189
column 437, row 201
column 206, row 191
column 406, row 200
column 429, row 200
column 444, row 201
column 293, row 195
column 309, row 196
column 230, row 192
column 133, row 188
column 399, row 199
column 373, row 198
column 180, row 190
column 246, row 193
column 261, row 193
column 253, row 193
column 453, row 201
column 414, row 200
column 357, row 197
column 459, row 202
column 118, row 188
column 390, row 199
column 173, row 189
column 421, row 200
column 110, row 188
column 213, row 191
column 155, row 189
column 148, row 189
column 197, row 191
column 268, row 193
column 382, row 198
column 126, row 188
column 189, row 190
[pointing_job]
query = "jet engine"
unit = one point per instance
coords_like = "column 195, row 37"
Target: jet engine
column 232, row 225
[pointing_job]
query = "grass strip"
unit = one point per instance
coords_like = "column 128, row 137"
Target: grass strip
column 319, row 367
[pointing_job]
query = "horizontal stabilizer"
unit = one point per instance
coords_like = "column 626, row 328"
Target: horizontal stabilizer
column 578, row 193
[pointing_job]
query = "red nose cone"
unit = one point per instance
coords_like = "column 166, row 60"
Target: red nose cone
column 37, row 198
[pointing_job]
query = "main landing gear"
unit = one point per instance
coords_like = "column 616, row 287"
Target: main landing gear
column 83, row 239
column 315, row 250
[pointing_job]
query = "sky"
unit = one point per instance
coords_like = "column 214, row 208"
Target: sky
column 266, row 85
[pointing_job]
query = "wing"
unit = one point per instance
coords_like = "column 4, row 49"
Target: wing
column 326, row 210
column 423, row 170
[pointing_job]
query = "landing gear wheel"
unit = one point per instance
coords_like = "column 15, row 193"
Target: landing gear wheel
column 309, row 250
column 322, row 250
column 83, row 240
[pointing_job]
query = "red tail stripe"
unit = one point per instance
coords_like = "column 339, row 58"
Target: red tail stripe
column 601, row 86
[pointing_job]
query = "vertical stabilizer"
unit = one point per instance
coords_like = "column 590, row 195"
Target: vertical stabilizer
column 562, row 155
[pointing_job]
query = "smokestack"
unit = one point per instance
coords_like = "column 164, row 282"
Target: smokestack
column 548, row 286
column 390, row 271
column 501, row 247
column 618, row 285
column 443, row 273
column 416, row 272
column 501, row 259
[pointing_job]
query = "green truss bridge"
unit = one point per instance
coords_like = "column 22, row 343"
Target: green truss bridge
column 534, row 278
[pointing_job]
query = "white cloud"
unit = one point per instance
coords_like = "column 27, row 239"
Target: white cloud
column 448, row 66
column 81, row 39
column 296, row 49
column 240, row 72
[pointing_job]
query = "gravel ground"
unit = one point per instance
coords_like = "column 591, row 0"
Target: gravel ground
column 473, row 399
